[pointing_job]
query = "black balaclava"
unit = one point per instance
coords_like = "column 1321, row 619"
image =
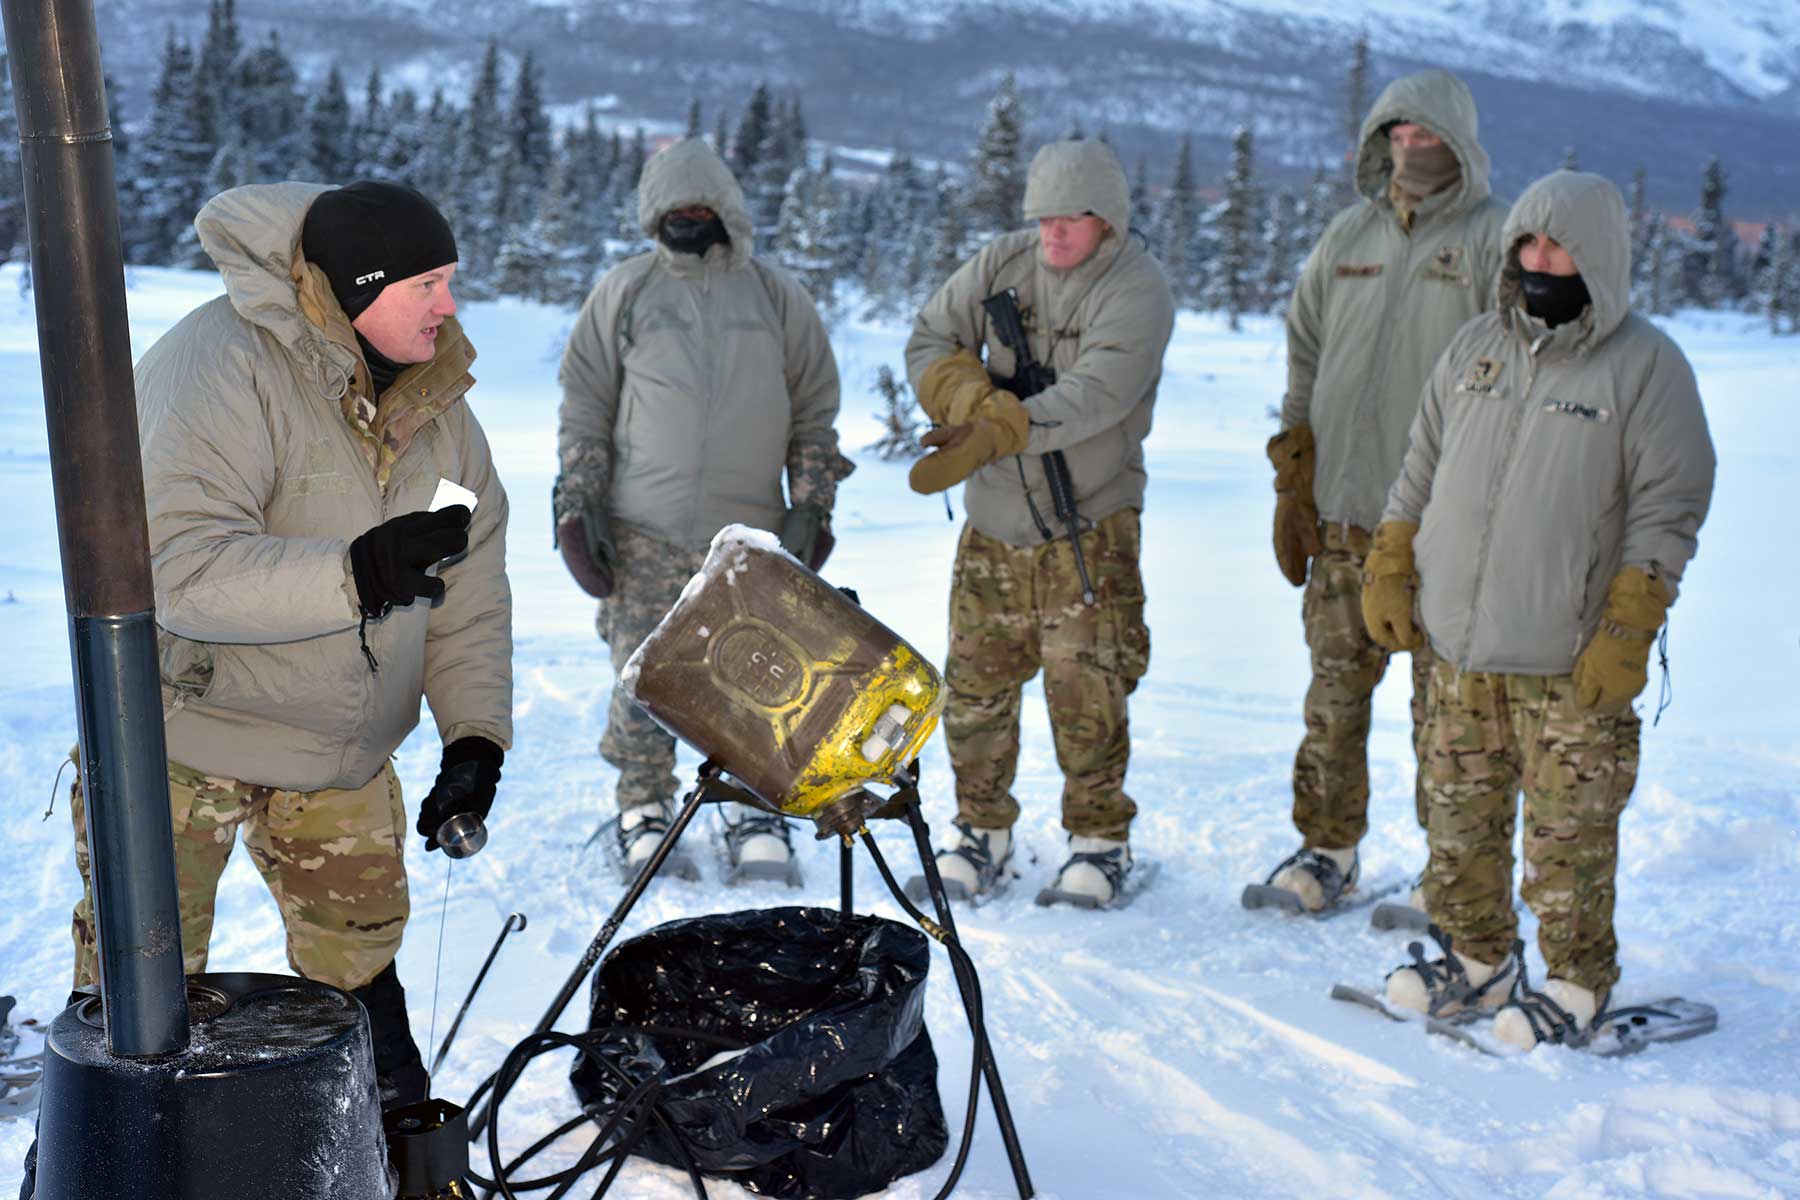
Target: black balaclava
column 370, row 234
column 685, row 235
column 1553, row 299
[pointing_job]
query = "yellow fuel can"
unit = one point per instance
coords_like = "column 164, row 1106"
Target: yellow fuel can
column 783, row 681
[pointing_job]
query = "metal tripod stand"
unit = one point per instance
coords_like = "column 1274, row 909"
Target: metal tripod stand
column 711, row 788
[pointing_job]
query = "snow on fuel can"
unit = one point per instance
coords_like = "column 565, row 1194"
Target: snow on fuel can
column 782, row 680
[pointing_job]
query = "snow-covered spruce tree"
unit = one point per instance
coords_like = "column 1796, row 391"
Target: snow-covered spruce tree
column 1280, row 252
column 472, row 198
column 752, row 132
column 1638, row 213
column 1659, row 266
column 1143, row 215
column 399, row 143
column 1710, row 275
column 549, row 258
column 810, row 234
column 268, row 110
column 528, row 132
column 996, row 184
column 778, row 156
column 899, row 419
column 1234, row 275
column 949, row 240
column 1176, row 225
column 368, row 132
column 12, row 183
column 329, row 154
column 1316, row 211
column 220, row 49
column 432, row 167
column 694, row 128
column 151, row 199
column 1356, row 108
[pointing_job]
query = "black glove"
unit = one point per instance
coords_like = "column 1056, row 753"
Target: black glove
column 806, row 534
column 467, row 777
column 585, row 539
column 389, row 560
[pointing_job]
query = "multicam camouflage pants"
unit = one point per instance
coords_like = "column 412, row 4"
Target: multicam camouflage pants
column 1016, row 609
column 647, row 580
column 332, row 859
column 1331, row 769
column 1492, row 735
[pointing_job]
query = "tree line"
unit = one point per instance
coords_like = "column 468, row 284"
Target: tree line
column 541, row 211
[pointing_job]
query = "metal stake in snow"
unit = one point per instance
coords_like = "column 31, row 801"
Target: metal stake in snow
column 462, row 836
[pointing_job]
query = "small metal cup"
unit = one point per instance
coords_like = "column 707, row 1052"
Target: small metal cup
column 462, row 836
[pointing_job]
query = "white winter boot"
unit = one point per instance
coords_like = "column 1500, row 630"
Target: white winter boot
column 1562, row 1012
column 641, row 830
column 1093, row 876
column 1319, row 876
column 757, row 843
column 971, row 865
column 1452, row 984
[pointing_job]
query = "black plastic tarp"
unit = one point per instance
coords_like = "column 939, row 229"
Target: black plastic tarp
column 835, row 1092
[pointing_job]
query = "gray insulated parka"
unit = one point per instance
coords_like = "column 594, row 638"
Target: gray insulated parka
column 1103, row 325
column 690, row 381
column 1376, row 304
column 256, row 483
column 1543, row 461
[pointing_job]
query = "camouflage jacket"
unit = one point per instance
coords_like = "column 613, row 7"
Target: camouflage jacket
column 263, row 458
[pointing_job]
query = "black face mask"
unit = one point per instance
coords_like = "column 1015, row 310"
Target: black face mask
column 685, row 235
column 1553, row 299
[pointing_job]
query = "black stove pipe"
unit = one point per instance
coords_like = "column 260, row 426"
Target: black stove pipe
column 91, row 409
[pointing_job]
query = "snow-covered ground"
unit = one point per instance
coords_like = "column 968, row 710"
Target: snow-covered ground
column 1180, row 1048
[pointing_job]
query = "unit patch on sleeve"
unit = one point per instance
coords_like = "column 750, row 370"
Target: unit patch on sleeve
column 1482, row 379
column 1448, row 265
column 1357, row 270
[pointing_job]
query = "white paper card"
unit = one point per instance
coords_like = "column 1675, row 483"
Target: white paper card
column 449, row 493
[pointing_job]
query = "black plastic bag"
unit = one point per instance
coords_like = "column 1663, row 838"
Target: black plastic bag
column 835, row 1092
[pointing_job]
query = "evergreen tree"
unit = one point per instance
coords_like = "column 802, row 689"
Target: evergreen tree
column 1234, row 281
column 1177, row 224
column 778, row 156
column 1658, row 287
column 752, row 134
column 368, row 132
column 12, row 180
column 1711, row 272
column 1315, row 213
column 473, row 198
column 1356, row 109
column 811, row 232
column 431, row 167
column 220, row 49
column 694, row 127
column 1639, row 214
column 328, row 149
column 401, row 141
column 1281, row 265
column 268, row 112
column 1782, row 300
column 899, row 418
column 1143, row 216
column 151, row 199
column 996, row 192
column 949, row 237
column 721, row 138
column 528, row 130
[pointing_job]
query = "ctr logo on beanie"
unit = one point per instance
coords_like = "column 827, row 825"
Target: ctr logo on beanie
column 370, row 234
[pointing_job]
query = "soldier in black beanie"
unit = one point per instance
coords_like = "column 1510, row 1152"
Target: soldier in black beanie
column 389, row 255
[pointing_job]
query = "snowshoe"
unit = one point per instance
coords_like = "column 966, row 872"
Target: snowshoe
column 1097, row 875
column 1443, row 987
column 758, row 846
column 1334, row 888
column 630, row 838
column 976, row 867
column 1564, row 1014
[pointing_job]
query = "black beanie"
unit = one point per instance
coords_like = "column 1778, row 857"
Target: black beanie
column 370, row 234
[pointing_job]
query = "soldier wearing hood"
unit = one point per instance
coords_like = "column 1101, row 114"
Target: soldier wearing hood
column 695, row 374
column 1380, row 296
column 1097, row 309
column 1549, row 503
